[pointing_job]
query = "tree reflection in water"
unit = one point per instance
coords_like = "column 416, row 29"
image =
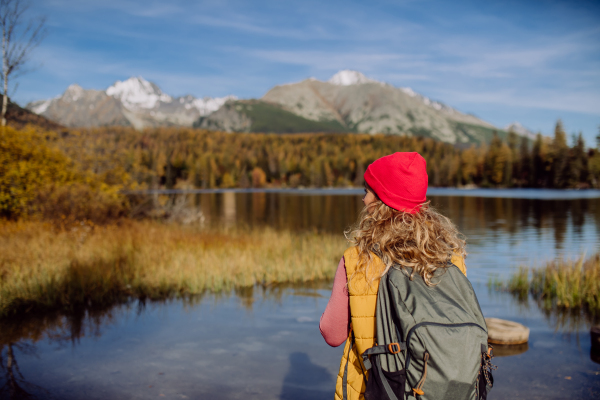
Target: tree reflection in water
column 20, row 334
column 18, row 337
column 15, row 386
column 561, row 319
column 333, row 213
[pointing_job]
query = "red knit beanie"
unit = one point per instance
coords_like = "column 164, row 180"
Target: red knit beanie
column 399, row 180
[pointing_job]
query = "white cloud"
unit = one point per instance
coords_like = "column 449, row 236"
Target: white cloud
column 66, row 63
column 147, row 8
column 462, row 55
column 332, row 61
column 583, row 102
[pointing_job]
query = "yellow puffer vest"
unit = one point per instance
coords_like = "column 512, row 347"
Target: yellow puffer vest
column 363, row 302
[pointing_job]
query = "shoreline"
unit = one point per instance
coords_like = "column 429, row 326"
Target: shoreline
column 512, row 193
column 45, row 268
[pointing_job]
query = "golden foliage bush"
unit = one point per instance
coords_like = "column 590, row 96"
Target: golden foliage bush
column 27, row 164
column 37, row 178
column 77, row 201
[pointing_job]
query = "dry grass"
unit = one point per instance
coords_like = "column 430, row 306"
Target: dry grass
column 560, row 283
column 43, row 267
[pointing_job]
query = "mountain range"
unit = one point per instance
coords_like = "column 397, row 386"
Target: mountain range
column 134, row 102
column 348, row 102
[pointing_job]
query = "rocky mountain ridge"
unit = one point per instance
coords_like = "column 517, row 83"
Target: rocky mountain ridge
column 134, row 102
column 348, row 102
column 355, row 103
column 519, row 129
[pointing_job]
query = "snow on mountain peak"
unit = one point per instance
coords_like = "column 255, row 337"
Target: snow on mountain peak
column 136, row 92
column 520, row 130
column 516, row 126
column 40, row 106
column 436, row 105
column 409, row 91
column 348, row 77
column 209, row 104
column 73, row 92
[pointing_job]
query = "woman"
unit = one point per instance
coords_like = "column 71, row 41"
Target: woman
column 398, row 228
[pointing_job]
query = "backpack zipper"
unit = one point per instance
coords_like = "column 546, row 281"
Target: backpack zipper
column 410, row 332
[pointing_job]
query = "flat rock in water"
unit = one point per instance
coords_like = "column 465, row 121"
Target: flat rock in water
column 501, row 331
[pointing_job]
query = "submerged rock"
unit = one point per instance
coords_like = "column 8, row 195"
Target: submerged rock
column 501, row 331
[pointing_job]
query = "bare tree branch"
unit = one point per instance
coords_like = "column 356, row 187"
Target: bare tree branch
column 19, row 38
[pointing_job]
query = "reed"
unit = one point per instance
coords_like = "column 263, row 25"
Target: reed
column 519, row 283
column 561, row 283
column 43, row 267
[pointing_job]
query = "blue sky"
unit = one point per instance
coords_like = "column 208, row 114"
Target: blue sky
column 526, row 61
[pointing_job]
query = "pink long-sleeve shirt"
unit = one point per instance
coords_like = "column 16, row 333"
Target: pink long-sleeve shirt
column 335, row 321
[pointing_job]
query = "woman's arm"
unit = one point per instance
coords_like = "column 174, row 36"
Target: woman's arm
column 335, row 321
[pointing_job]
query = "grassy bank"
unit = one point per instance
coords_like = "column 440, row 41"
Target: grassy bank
column 560, row 283
column 44, row 267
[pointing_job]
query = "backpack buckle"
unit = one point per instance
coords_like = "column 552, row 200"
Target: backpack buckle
column 394, row 348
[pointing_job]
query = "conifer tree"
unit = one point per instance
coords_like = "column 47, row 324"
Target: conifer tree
column 524, row 163
column 181, row 157
column 538, row 173
column 560, row 153
column 495, row 161
column 469, row 165
column 578, row 163
column 512, row 165
column 594, row 164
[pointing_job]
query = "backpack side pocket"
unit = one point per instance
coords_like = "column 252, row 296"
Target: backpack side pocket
column 384, row 385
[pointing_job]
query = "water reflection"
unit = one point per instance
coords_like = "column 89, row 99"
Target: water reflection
column 68, row 328
column 267, row 336
column 19, row 338
column 183, row 348
column 502, row 233
column 507, row 351
column 518, row 216
column 569, row 320
column 229, row 209
column 14, row 385
column 302, row 378
column 334, row 213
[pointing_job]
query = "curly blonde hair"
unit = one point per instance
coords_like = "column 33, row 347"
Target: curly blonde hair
column 424, row 241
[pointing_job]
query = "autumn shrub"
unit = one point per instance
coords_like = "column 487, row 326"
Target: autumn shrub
column 78, row 201
column 37, row 178
column 27, row 164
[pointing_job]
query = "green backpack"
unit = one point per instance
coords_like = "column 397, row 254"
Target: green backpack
column 431, row 340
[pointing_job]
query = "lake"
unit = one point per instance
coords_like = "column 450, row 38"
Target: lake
column 264, row 343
